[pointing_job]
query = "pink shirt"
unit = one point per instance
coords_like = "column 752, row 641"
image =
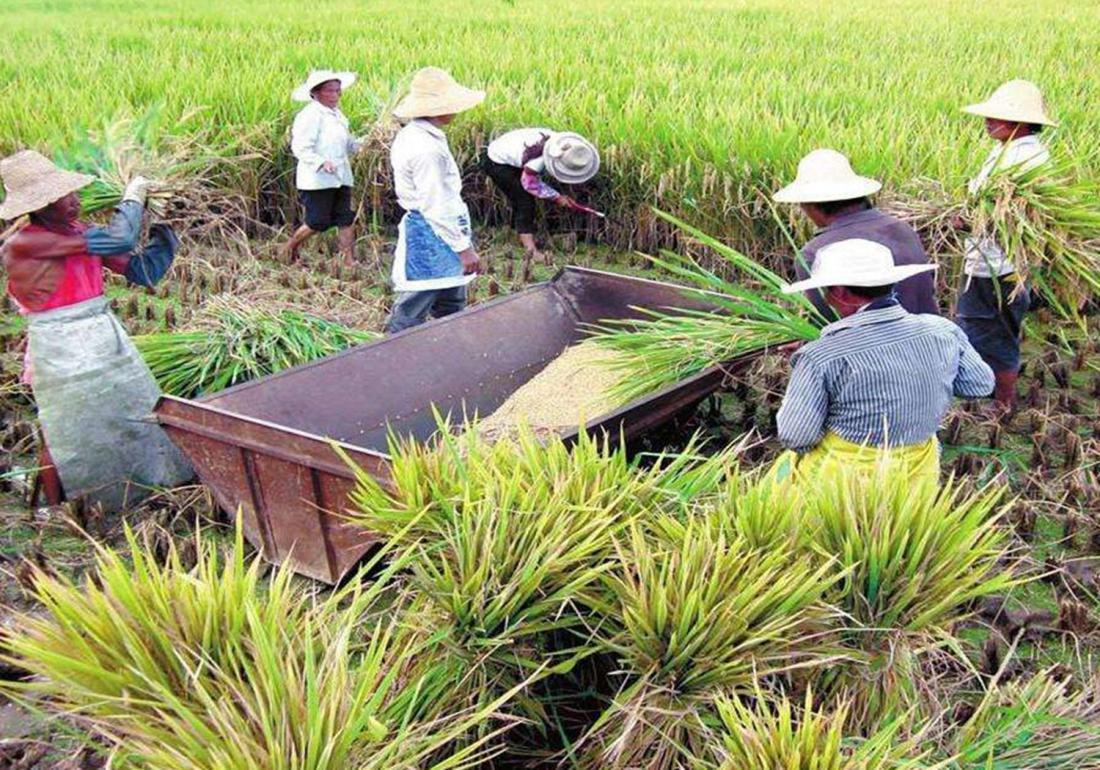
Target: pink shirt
column 82, row 279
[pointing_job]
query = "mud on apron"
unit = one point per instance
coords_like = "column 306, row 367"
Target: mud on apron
column 94, row 394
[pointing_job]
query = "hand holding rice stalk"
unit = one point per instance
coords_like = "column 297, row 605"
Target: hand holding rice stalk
column 1046, row 219
column 127, row 148
column 668, row 347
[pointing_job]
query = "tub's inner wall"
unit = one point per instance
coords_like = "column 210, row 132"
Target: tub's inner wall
column 471, row 362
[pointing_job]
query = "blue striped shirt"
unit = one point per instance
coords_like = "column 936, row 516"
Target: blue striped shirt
column 880, row 376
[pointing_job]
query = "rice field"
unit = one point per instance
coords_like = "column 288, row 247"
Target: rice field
column 661, row 605
column 697, row 105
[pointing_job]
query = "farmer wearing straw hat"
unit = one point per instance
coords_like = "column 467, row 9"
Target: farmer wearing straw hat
column 321, row 142
column 516, row 161
column 91, row 387
column 435, row 256
column 880, row 378
column 837, row 200
column 992, row 303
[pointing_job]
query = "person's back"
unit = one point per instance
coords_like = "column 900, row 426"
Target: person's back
column 881, row 377
column 916, row 294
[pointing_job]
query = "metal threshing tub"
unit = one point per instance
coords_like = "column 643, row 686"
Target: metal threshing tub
column 265, row 447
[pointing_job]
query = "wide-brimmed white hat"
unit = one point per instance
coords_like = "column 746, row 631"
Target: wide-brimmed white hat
column 826, row 175
column 855, row 262
column 570, row 158
column 433, row 92
column 1020, row 101
column 316, row 78
column 32, row 182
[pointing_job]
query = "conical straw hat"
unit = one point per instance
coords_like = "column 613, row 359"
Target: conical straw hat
column 316, row 78
column 1020, row 101
column 32, row 182
column 570, row 158
column 855, row 262
column 434, row 92
column 826, row 175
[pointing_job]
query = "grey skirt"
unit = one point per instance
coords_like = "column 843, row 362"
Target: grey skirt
column 94, row 395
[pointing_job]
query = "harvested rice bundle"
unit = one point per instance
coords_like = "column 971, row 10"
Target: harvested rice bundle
column 215, row 665
column 1030, row 725
column 233, row 341
column 126, row 147
column 1047, row 221
column 574, row 387
column 668, row 347
column 757, row 735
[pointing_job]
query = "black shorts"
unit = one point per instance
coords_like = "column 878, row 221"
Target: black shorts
column 508, row 180
column 327, row 208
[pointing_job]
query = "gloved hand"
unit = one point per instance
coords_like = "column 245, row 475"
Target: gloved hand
column 137, row 190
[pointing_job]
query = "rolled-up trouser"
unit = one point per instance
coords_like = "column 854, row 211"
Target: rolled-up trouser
column 412, row 308
column 509, row 180
column 94, row 395
column 991, row 312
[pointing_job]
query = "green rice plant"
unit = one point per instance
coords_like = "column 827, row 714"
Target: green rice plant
column 1046, row 220
column 233, row 341
column 761, row 735
column 1035, row 724
column 696, row 619
column 216, row 667
column 666, row 347
column 910, row 557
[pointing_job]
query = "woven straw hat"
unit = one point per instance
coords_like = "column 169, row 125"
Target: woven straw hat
column 316, row 78
column 570, row 158
column 826, row 175
column 855, row 262
column 434, row 92
column 32, row 182
column 1020, row 101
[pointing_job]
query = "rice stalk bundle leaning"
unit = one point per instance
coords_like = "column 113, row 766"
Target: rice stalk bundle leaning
column 758, row 734
column 1046, row 220
column 215, row 666
column 506, row 540
column 910, row 558
column 1037, row 724
column 233, row 341
column 693, row 620
column 666, row 347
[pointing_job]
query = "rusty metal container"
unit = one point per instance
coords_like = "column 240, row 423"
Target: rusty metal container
column 265, row 447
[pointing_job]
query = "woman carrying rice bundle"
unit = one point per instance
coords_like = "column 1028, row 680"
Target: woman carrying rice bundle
column 92, row 389
column 993, row 301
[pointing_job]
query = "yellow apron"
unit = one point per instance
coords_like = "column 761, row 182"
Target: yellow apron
column 834, row 455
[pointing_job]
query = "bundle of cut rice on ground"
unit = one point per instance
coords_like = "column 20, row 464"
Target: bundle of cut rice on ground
column 233, row 341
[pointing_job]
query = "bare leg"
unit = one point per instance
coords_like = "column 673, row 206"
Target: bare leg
column 49, row 478
column 301, row 235
column 530, row 248
column 1004, row 392
column 345, row 236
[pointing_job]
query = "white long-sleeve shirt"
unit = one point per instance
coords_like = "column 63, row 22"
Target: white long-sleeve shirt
column 984, row 257
column 321, row 133
column 427, row 181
